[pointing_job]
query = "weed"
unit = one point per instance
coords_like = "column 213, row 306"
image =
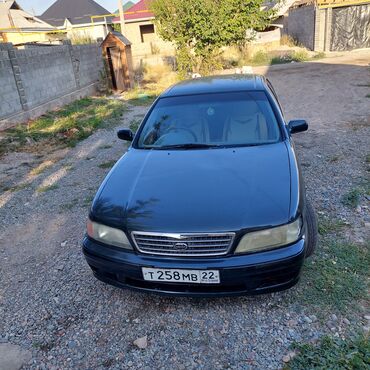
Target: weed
column 300, row 55
column 67, row 206
column 288, row 41
column 261, row 58
column 336, row 277
column 328, row 226
column 44, row 189
column 332, row 353
column 334, row 158
column 367, row 159
column 368, row 95
column 352, row 198
column 88, row 200
column 108, row 164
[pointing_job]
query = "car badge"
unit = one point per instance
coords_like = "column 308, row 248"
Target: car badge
column 180, row 246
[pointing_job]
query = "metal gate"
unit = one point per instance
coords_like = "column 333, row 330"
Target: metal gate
column 350, row 28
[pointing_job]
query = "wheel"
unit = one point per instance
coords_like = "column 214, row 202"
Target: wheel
column 311, row 229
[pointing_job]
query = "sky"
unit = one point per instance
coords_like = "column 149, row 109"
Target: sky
column 39, row 6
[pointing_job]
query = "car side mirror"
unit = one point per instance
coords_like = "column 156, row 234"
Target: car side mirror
column 125, row 134
column 298, row 125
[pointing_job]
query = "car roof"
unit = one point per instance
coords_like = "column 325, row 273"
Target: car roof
column 217, row 84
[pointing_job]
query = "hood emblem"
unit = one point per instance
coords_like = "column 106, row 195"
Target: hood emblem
column 180, row 246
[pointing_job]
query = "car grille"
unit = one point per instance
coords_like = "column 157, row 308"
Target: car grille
column 183, row 244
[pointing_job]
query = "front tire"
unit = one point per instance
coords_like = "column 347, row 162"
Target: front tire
column 311, row 230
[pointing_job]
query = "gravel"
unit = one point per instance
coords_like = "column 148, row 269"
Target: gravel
column 52, row 307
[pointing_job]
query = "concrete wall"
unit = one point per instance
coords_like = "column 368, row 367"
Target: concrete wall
column 300, row 24
column 37, row 79
column 9, row 97
column 156, row 51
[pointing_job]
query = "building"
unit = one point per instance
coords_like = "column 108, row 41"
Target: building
column 146, row 45
column 329, row 25
column 83, row 20
column 19, row 27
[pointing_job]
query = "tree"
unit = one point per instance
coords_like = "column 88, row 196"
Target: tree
column 200, row 28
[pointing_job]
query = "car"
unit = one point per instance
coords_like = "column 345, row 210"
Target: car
column 209, row 199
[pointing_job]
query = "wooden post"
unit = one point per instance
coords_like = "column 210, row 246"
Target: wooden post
column 121, row 16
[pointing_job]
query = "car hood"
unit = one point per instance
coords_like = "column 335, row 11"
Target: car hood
column 197, row 190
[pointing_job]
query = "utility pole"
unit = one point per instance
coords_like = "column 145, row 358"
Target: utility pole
column 121, row 16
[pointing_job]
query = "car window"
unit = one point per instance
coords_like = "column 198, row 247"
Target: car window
column 222, row 119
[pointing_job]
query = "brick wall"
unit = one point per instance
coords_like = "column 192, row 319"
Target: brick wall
column 36, row 79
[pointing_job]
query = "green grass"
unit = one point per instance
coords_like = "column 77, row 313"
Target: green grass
column 329, row 226
column 44, row 189
column 108, row 164
column 352, row 198
column 335, row 278
column 333, row 353
column 68, row 125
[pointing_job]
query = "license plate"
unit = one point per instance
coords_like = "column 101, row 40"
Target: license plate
column 181, row 276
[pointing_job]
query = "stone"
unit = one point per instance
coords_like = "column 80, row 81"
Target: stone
column 13, row 357
column 142, row 342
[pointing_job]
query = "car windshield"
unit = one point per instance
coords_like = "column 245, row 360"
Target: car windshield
column 210, row 120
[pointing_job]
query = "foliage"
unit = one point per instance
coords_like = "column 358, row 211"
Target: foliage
column 333, row 353
column 200, row 28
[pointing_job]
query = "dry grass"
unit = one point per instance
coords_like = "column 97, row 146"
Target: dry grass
column 155, row 79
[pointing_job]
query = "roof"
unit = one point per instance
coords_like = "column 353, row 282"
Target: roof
column 280, row 7
column 216, row 84
column 12, row 16
column 126, row 5
column 137, row 12
column 77, row 12
column 119, row 36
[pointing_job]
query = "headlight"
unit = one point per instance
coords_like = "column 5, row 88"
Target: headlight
column 270, row 238
column 107, row 235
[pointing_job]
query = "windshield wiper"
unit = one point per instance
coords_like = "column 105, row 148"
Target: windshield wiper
column 185, row 146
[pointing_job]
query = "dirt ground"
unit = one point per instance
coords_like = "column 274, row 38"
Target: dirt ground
column 54, row 309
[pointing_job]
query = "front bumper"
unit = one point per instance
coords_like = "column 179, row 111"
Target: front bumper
column 255, row 273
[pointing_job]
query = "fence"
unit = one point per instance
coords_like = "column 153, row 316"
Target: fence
column 37, row 79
